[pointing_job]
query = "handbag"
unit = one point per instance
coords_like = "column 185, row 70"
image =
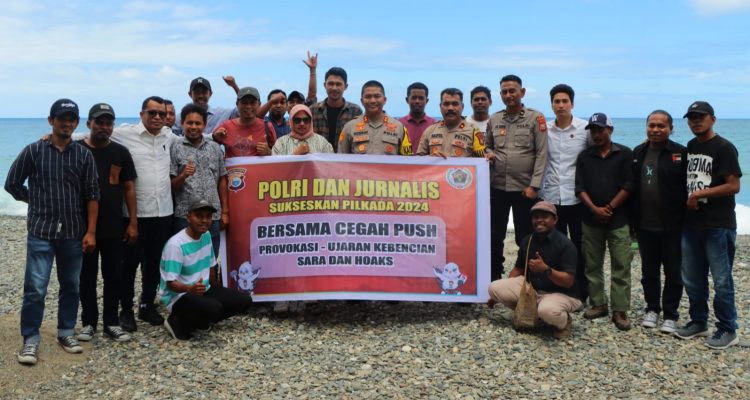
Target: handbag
column 525, row 315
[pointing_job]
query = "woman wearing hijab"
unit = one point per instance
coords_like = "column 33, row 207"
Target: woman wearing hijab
column 302, row 139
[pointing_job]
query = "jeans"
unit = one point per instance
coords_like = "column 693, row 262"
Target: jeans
column 111, row 250
column 657, row 249
column 569, row 223
column 218, row 303
column 67, row 254
column 214, row 230
column 153, row 234
column 704, row 251
column 501, row 203
column 595, row 239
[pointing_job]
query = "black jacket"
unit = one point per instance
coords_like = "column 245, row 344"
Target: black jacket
column 672, row 170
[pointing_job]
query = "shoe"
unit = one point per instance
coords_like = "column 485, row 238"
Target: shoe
column 175, row 328
column 564, row 332
column 28, row 354
column 116, row 333
column 650, row 319
column 127, row 320
column 69, row 344
column 722, row 339
column 668, row 326
column 596, row 312
column 691, row 330
column 620, row 318
column 86, row 333
column 281, row 307
column 148, row 313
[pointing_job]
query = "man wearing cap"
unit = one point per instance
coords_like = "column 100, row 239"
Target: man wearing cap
column 516, row 146
column 117, row 176
column 451, row 137
column 604, row 180
column 551, row 271
column 188, row 287
column 417, row 97
column 200, row 92
column 247, row 135
column 374, row 132
column 331, row 114
column 708, row 238
column 62, row 195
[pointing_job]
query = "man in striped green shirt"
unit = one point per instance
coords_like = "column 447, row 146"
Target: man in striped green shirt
column 188, row 286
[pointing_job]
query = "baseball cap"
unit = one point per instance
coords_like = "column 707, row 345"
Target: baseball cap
column 699, row 107
column 99, row 109
column 545, row 206
column 199, row 204
column 296, row 95
column 248, row 91
column 601, row 120
column 63, row 106
column 200, row 81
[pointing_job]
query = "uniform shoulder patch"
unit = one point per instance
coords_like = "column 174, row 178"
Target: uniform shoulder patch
column 542, row 123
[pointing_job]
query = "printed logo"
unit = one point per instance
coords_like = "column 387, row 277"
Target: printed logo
column 459, row 178
column 236, row 178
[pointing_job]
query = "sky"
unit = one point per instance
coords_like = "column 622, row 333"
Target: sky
column 624, row 58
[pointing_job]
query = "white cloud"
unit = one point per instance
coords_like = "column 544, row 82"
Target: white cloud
column 718, row 7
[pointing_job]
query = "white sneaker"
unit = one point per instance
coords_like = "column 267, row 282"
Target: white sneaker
column 86, row 333
column 650, row 319
column 668, row 326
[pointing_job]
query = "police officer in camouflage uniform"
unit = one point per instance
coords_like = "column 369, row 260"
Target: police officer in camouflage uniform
column 374, row 132
column 453, row 136
column 517, row 148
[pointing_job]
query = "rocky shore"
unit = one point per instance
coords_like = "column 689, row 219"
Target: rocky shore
column 374, row 350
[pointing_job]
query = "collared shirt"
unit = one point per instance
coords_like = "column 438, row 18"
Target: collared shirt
column 320, row 120
column 557, row 251
column 216, row 115
column 415, row 128
column 464, row 140
column 60, row 183
column 384, row 137
column 153, row 190
column 282, row 129
column 564, row 145
column 602, row 178
column 203, row 184
column 519, row 142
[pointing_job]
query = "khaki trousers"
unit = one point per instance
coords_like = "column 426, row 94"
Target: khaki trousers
column 553, row 308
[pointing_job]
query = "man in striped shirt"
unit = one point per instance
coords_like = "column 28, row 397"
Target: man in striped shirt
column 62, row 194
column 188, row 286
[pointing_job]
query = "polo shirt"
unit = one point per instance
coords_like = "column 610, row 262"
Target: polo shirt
column 557, row 251
column 602, row 177
column 415, row 128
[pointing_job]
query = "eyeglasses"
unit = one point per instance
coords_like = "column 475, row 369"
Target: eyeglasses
column 153, row 113
column 300, row 120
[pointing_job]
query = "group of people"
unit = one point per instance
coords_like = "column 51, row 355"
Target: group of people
column 154, row 194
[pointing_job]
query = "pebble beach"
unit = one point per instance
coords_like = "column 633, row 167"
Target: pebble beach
column 374, row 350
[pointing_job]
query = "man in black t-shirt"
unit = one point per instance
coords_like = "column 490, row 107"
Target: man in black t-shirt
column 116, row 182
column 708, row 239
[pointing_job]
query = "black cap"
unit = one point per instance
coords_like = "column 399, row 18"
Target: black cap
column 200, row 81
column 200, row 204
column 296, row 95
column 99, row 109
column 600, row 120
column 63, row 106
column 699, row 107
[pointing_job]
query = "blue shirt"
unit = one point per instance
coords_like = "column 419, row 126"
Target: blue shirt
column 59, row 185
column 216, row 116
column 281, row 130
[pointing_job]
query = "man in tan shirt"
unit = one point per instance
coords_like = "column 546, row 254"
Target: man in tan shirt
column 452, row 137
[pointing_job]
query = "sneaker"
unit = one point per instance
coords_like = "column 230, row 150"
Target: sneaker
column 116, row 333
column 175, row 328
column 650, row 319
column 86, row 333
column 669, row 326
column 564, row 332
column 691, row 330
column 127, row 320
column 620, row 318
column 596, row 312
column 722, row 339
column 281, row 307
column 69, row 344
column 28, row 354
column 148, row 313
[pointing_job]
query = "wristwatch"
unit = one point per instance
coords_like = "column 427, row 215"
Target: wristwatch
column 548, row 271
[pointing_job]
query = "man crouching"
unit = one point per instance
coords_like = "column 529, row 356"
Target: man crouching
column 188, row 284
column 552, row 268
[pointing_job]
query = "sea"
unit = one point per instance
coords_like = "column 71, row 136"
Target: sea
column 16, row 133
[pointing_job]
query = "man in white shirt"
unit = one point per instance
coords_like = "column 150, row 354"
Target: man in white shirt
column 481, row 100
column 566, row 137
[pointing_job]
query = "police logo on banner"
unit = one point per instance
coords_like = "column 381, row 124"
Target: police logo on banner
column 459, row 178
column 236, row 178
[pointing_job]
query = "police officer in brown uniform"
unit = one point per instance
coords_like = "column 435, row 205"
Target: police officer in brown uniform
column 517, row 148
column 374, row 132
column 452, row 137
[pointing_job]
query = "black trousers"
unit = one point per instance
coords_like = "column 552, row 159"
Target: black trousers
column 657, row 249
column 153, row 234
column 501, row 203
column 111, row 250
column 218, row 303
column 569, row 223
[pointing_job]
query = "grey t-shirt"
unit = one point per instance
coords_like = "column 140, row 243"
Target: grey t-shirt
column 650, row 199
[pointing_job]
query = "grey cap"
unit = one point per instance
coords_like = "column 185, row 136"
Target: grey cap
column 248, row 91
column 200, row 204
column 99, row 109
